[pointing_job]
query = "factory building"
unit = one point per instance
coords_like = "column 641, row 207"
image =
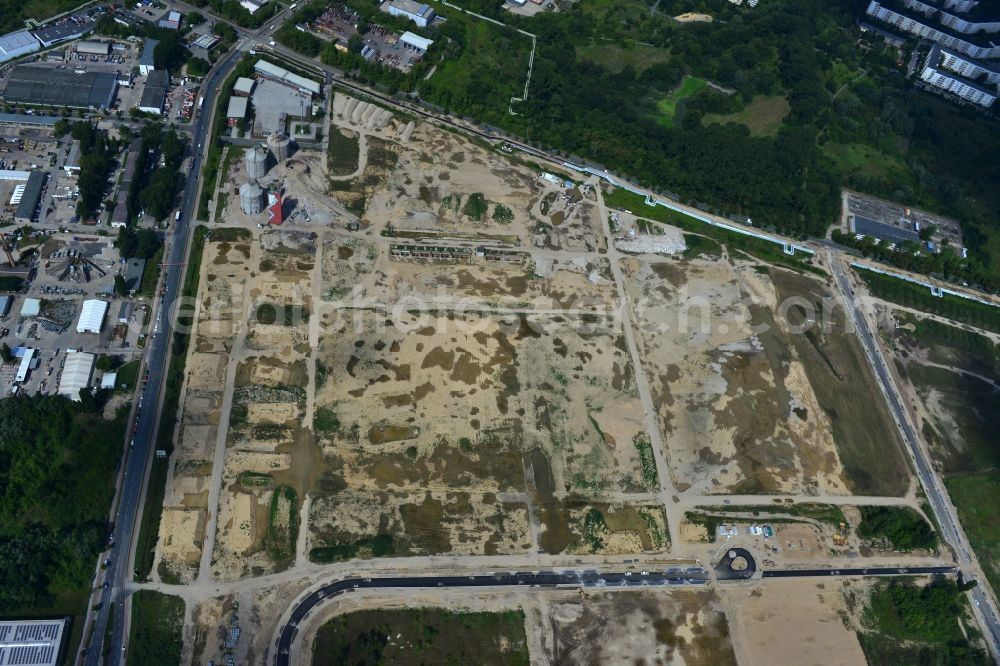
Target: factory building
column 93, row 48
column 154, row 94
column 146, row 62
column 27, row 207
column 32, row 642
column 417, row 12
column 16, row 44
column 77, row 371
column 92, row 316
column 61, row 87
column 281, row 75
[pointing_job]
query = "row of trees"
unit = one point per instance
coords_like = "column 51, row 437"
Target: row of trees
column 98, row 157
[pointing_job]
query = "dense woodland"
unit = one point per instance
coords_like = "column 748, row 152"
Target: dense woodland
column 601, row 67
column 57, row 462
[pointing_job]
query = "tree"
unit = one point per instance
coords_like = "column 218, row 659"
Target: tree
column 105, row 362
column 170, row 52
column 140, row 243
column 194, row 18
column 197, row 66
column 6, row 354
column 355, row 43
column 60, row 128
column 120, row 287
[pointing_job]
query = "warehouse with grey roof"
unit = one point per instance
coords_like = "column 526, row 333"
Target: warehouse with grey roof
column 28, row 206
column 61, row 87
column 155, row 92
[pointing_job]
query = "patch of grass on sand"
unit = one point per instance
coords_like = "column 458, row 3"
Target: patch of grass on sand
column 155, row 632
column 763, row 115
column 422, row 636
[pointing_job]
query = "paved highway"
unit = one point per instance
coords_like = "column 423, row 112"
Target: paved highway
column 944, row 511
column 119, row 571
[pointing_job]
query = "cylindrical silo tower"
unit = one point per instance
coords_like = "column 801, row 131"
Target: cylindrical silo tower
column 256, row 162
column 251, row 198
column 280, row 146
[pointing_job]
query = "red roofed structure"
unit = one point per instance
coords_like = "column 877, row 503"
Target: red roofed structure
column 274, row 208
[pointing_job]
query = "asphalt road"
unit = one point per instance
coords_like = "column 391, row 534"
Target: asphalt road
column 118, row 574
column 878, row 571
column 690, row 576
column 943, row 510
column 673, row 576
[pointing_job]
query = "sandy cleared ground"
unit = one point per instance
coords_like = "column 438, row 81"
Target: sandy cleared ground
column 504, row 409
column 791, row 622
column 736, row 408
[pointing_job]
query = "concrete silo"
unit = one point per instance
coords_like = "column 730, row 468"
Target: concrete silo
column 280, row 146
column 256, row 162
column 251, row 198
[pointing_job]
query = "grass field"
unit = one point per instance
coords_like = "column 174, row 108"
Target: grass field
column 915, row 296
column 155, row 631
column 763, row 115
column 689, row 87
column 615, row 58
column 975, row 497
column 342, row 153
column 282, row 524
column 865, row 160
column 422, row 636
column 151, row 274
column 951, row 345
column 491, row 68
column 128, row 376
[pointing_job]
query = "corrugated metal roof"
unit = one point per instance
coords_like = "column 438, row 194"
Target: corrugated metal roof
column 280, row 73
column 237, row 107
column 76, row 374
column 60, row 87
column 31, row 196
column 92, row 316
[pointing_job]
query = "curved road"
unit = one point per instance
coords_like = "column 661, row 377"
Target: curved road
column 589, row 578
column 118, row 573
column 690, row 576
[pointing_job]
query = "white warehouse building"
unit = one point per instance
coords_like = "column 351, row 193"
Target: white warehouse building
column 92, row 316
column 76, row 374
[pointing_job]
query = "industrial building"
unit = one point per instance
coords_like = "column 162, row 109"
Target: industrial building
column 146, row 61
column 134, row 268
column 6, row 301
column 32, row 642
column 27, row 207
column 24, row 366
column 237, row 110
column 125, row 312
column 72, row 164
column 253, row 6
column 78, row 368
column 24, row 120
column 274, row 103
column 415, row 41
column 154, row 94
column 31, row 307
column 927, row 21
column 866, row 226
column 243, row 87
column 61, row 87
column 171, row 21
column 93, row 48
column 275, row 212
column 281, row 75
column 16, row 44
column 417, row 12
column 92, row 316
column 63, row 30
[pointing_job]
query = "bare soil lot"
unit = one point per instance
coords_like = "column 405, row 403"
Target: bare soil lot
column 746, row 402
column 465, row 420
